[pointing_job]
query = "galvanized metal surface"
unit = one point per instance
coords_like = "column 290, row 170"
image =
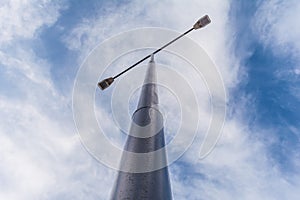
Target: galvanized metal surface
column 150, row 185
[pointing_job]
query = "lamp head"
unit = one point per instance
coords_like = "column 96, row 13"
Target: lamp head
column 105, row 83
column 203, row 21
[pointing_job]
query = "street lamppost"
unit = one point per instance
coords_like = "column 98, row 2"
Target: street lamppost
column 199, row 24
column 146, row 136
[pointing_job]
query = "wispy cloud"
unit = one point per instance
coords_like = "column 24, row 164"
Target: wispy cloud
column 275, row 24
column 22, row 19
column 39, row 148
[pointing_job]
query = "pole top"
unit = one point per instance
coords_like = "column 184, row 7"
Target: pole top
column 152, row 58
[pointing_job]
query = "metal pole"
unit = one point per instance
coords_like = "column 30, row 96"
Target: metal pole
column 150, row 185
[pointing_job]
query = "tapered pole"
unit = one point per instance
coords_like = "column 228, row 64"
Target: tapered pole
column 153, row 185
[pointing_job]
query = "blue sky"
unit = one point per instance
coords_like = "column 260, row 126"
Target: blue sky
column 254, row 44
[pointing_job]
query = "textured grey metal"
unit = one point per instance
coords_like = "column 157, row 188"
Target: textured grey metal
column 151, row 185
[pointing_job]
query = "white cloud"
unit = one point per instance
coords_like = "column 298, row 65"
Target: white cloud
column 41, row 156
column 25, row 142
column 239, row 167
column 276, row 25
column 22, row 19
column 21, row 62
